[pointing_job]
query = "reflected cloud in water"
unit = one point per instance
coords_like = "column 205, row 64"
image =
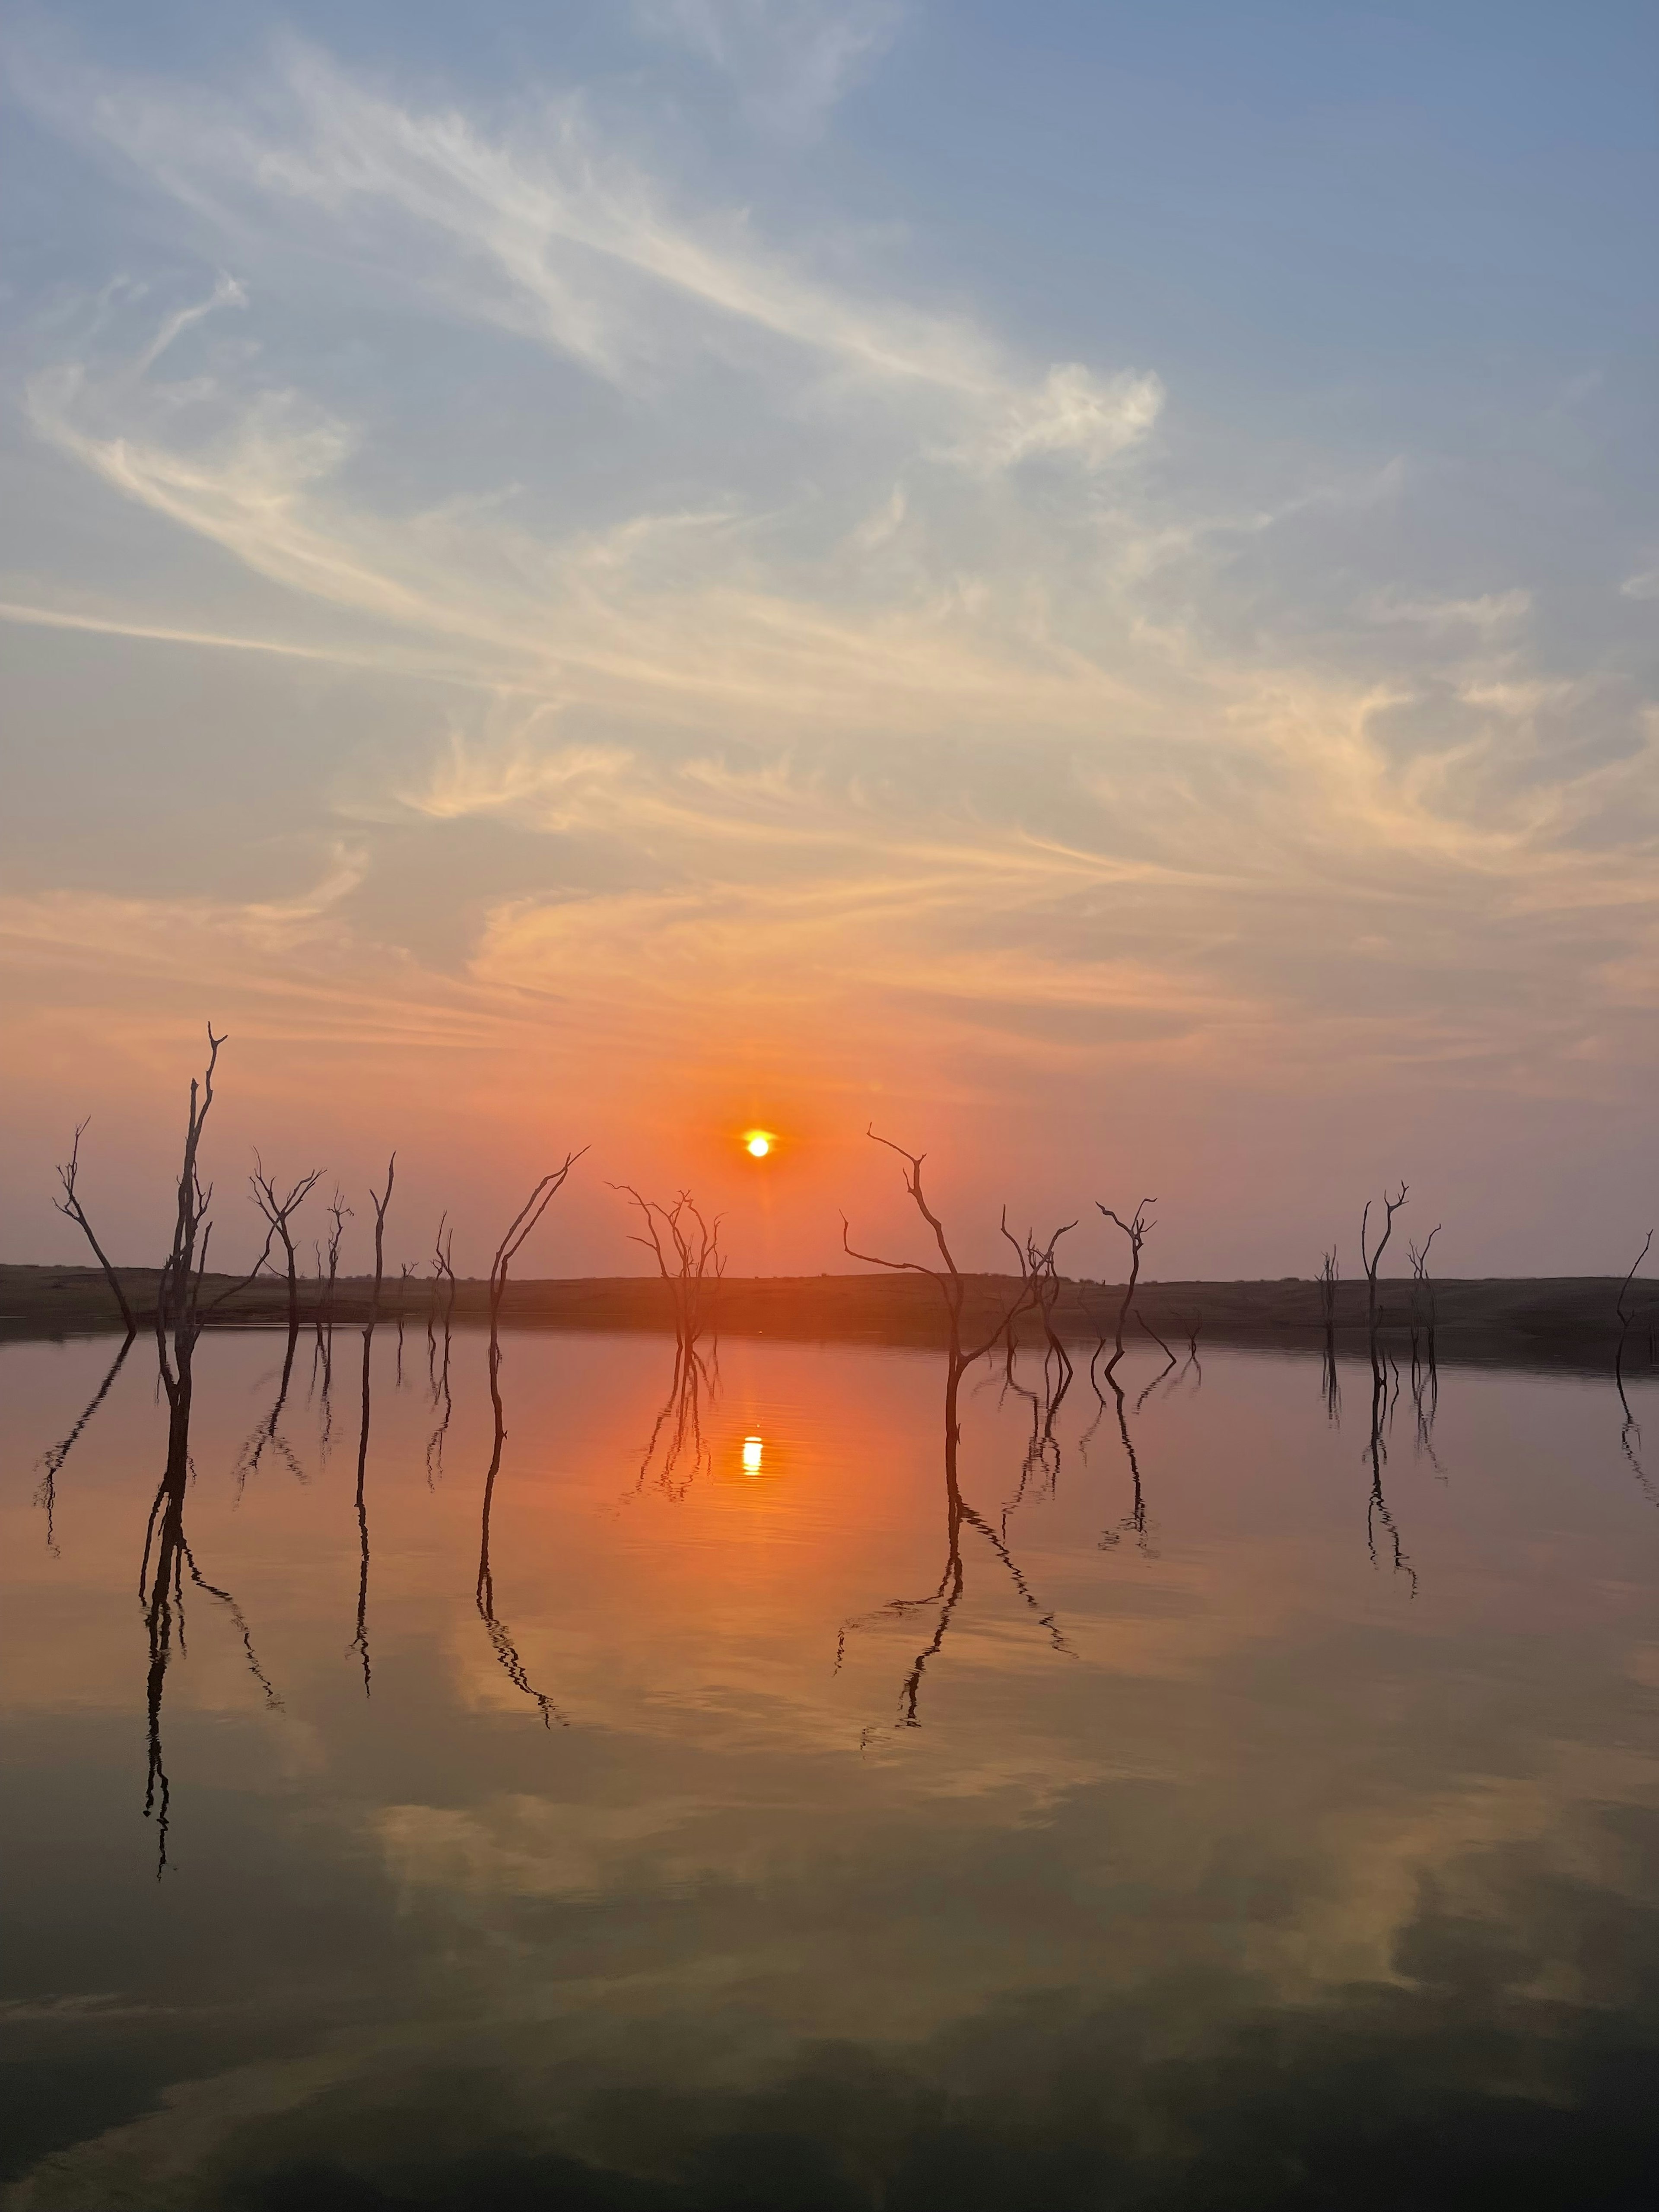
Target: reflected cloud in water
column 1062, row 1876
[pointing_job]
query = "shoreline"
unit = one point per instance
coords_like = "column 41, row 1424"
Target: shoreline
column 1538, row 1320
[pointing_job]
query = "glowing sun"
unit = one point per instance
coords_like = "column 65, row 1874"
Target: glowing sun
column 757, row 1143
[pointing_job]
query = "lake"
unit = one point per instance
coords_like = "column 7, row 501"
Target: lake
column 1179, row 1804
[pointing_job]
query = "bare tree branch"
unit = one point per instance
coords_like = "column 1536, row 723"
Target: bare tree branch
column 69, row 1204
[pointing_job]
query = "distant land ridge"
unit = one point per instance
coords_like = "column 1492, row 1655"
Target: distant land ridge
column 1568, row 1320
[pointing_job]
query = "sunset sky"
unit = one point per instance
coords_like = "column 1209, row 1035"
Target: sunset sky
column 1078, row 582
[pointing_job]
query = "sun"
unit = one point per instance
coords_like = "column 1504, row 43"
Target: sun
column 757, row 1143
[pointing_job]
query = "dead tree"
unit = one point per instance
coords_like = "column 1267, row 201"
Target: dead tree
column 69, row 1204
column 443, row 1277
column 1423, row 1309
column 178, row 1296
column 1627, row 1313
column 339, row 1214
column 1371, row 1260
column 279, row 1209
column 678, row 1234
column 952, row 1283
column 1136, row 1229
column 1330, row 1274
column 524, row 1221
column 379, row 1202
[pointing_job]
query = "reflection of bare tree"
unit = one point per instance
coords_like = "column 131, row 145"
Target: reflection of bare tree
column 946, row 1596
column 360, row 1640
column 501, row 1639
column 686, row 1248
column 167, row 1557
column 1039, row 1474
column 1630, row 1434
column 1331, row 1385
column 1192, row 1360
column 380, row 1200
column 322, row 1383
column 677, row 1451
column 1168, row 1367
column 51, row 1463
column 1424, row 1365
column 1377, row 1514
column 268, row 1434
column 1037, row 1265
column 1133, row 1523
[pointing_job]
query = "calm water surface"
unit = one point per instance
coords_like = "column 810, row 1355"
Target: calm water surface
column 1180, row 1815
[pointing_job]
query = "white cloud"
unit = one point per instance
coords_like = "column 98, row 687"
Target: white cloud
column 1493, row 611
column 548, row 228
column 792, row 60
column 1074, row 412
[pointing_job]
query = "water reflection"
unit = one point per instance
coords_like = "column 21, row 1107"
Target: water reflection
column 501, row 1637
column 942, row 1599
column 53, row 1459
column 1164, row 1878
column 168, row 1558
column 268, row 1434
column 360, row 1640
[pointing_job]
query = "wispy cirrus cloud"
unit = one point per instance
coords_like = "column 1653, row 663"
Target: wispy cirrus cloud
column 547, row 227
column 793, row 60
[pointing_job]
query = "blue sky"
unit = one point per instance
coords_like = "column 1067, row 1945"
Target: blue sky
column 1086, row 575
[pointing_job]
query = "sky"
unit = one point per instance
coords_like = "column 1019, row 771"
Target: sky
column 1075, row 584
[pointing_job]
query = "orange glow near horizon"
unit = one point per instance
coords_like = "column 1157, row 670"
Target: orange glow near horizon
column 757, row 1143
